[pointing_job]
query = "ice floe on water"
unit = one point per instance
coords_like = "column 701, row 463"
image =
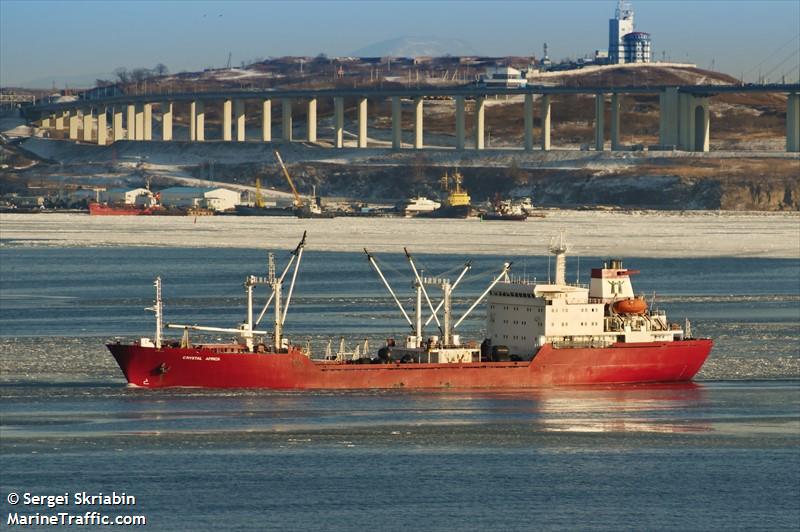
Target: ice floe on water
column 590, row 233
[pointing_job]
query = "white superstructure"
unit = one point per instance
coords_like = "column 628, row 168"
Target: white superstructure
column 420, row 204
column 524, row 315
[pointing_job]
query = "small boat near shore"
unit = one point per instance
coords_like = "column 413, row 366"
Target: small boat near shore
column 505, row 210
column 419, row 205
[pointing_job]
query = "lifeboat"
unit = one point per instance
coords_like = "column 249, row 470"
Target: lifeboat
column 631, row 306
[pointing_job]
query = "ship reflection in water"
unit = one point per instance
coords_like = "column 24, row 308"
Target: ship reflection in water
column 645, row 408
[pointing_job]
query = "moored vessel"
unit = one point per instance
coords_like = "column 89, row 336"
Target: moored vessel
column 457, row 204
column 505, row 210
column 104, row 209
column 418, row 205
column 538, row 334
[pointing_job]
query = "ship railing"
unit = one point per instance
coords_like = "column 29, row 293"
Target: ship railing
column 578, row 285
column 585, row 342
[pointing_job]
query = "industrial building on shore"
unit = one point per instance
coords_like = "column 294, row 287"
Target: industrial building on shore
column 625, row 45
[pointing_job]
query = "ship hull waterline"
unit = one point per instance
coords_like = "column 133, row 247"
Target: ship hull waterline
column 624, row 363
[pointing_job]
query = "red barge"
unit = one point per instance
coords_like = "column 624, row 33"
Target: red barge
column 538, row 334
column 102, row 209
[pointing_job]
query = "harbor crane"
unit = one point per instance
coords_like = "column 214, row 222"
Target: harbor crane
column 298, row 201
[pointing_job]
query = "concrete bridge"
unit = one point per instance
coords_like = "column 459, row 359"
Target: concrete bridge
column 684, row 117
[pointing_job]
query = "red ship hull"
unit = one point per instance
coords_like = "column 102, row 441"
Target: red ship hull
column 207, row 367
column 99, row 209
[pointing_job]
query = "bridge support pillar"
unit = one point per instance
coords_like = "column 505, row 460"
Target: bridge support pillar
column 197, row 121
column 397, row 123
column 362, row 122
column 116, row 124
column 138, row 130
column 599, row 121
column 418, row 143
column 338, row 122
column 148, row 122
column 87, row 125
column 311, row 119
column 480, row 104
column 45, row 122
column 685, row 122
column 528, row 122
column 694, row 123
column 266, row 121
column 705, row 128
column 227, row 109
column 130, row 121
column 669, row 123
column 286, row 119
column 460, row 135
column 615, row 145
column 793, row 123
column 192, row 121
column 59, row 122
column 545, row 122
column 241, row 120
column 166, row 120
column 73, row 125
column 101, row 128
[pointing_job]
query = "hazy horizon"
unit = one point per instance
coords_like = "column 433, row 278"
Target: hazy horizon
column 44, row 42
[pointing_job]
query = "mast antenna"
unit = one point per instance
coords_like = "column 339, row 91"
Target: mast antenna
column 158, row 308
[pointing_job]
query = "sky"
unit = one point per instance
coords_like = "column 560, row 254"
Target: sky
column 46, row 41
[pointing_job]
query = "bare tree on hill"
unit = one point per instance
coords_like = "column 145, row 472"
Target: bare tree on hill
column 123, row 75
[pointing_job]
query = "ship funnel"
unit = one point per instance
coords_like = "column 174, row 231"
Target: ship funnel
column 558, row 247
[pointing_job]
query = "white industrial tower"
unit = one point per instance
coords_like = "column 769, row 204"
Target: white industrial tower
column 618, row 27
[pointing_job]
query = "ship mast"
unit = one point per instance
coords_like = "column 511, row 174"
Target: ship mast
column 418, row 316
column 276, row 283
column 377, row 268
column 158, row 309
column 246, row 330
column 559, row 249
column 467, row 267
column 447, row 290
column 424, row 292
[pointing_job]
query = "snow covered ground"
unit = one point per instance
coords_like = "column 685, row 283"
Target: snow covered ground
column 590, row 233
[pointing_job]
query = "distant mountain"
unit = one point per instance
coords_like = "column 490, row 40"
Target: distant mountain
column 415, row 47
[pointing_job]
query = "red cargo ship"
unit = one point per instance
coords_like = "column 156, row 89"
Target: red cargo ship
column 103, row 209
column 538, row 335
